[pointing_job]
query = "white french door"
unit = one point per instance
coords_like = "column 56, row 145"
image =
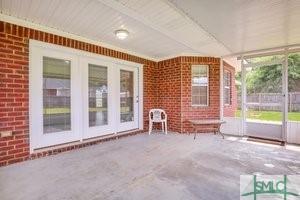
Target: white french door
column 128, row 98
column 98, row 98
column 54, row 106
column 75, row 96
column 110, row 97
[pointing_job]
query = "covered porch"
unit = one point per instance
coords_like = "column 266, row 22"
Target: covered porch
column 79, row 76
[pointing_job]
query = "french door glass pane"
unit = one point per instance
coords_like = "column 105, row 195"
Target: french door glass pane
column 126, row 95
column 97, row 95
column 56, row 95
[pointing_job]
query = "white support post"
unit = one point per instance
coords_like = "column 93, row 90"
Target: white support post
column 221, row 89
column 244, row 97
column 285, row 96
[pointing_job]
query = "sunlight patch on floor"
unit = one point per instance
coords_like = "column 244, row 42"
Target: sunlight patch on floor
column 293, row 147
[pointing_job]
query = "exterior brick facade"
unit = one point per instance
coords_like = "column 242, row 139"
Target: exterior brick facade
column 166, row 85
column 174, row 96
column 189, row 112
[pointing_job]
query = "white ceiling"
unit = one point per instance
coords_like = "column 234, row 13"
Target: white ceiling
column 247, row 25
column 166, row 28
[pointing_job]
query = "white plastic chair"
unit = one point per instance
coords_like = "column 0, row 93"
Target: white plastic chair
column 158, row 116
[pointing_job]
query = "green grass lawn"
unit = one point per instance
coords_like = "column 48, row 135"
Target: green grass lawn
column 269, row 115
column 51, row 111
column 252, row 114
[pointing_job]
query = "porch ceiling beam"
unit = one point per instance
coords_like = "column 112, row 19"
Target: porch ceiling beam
column 266, row 63
column 273, row 53
column 265, row 52
column 136, row 16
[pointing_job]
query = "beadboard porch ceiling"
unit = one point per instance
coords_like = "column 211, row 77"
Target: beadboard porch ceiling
column 166, row 28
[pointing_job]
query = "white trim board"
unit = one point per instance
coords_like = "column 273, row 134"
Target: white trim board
column 265, row 52
column 221, row 89
column 82, row 53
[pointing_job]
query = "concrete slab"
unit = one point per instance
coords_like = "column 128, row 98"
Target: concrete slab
column 158, row 166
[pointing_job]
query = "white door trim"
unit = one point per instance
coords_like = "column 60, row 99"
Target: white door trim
column 141, row 97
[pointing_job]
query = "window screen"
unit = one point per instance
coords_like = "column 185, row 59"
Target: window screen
column 200, row 85
column 227, row 92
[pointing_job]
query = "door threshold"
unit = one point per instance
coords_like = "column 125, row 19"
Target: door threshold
column 88, row 141
column 111, row 135
column 266, row 140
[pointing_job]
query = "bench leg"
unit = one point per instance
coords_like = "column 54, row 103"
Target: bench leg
column 191, row 132
column 216, row 130
column 195, row 132
column 222, row 134
column 219, row 131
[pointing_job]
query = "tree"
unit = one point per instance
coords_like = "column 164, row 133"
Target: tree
column 294, row 72
column 268, row 79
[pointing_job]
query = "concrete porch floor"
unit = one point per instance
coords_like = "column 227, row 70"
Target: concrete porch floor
column 158, row 166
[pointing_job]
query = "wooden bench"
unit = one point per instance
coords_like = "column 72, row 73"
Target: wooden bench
column 215, row 122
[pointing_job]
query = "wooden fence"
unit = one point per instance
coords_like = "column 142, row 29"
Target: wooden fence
column 271, row 101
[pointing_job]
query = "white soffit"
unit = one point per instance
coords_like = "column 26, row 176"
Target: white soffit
column 246, row 25
column 157, row 28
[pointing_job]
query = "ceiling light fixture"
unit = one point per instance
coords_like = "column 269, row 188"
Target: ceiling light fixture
column 121, row 34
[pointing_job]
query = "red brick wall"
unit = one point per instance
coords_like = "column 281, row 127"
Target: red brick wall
column 174, row 91
column 14, row 44
column 189, row 112
column 150, row 92
column 168, row 85
column 229, row 110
